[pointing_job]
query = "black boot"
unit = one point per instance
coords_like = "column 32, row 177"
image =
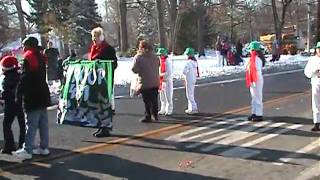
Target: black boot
column 8, row 150
column 250, row 118
column 96, row 132
column 257, row 118
column 146, row 119
column 316, row 127
column 103, row 133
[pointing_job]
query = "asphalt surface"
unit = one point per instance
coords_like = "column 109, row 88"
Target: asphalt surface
column 225, row 146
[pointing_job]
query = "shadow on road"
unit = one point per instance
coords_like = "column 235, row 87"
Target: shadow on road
column 96, row 166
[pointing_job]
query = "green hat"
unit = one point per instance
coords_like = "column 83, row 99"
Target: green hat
column 189, row 52
column 162, row 51
column 255, row 45
column 318, row 45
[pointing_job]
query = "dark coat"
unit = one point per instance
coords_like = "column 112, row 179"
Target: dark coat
column 9, row 85
column 32, row 86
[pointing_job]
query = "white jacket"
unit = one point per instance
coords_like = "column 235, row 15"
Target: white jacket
column 312, row 70
column 190, row 71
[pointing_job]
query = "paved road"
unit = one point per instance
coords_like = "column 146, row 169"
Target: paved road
column 217, row 143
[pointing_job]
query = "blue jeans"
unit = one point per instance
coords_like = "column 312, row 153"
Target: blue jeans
column 37, row 119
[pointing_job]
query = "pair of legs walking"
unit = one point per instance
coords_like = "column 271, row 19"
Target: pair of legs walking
column 166, row 98
column 36, row 119
column 150, row 99
column 12, row 110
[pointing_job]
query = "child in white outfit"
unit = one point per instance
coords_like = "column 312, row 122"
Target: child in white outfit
column 191, row 72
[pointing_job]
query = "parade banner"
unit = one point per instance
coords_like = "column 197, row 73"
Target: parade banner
column 86, row 94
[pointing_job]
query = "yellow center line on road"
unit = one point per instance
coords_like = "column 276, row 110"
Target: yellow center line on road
column 45, row 161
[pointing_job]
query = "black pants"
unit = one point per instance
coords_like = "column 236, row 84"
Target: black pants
column 11, row 110
column 150, row 99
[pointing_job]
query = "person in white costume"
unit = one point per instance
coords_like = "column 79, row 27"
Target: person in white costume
column 191, row 72
column 312, row 70
column 166, row 82
column 254, row 81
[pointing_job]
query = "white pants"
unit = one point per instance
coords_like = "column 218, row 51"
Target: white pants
column 256, row 97
column 112, row 100
column 166, row 97
column 316, row 102
column 192, row 105
column 219, row 58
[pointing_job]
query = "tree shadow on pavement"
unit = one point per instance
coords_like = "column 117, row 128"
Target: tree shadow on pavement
column 95, row 166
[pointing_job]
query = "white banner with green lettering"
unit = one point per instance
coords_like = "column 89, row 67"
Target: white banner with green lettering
column 86, row 94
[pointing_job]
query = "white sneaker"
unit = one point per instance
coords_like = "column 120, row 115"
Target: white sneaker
column 22, row 154
column 161, row 112
column 188, row 111
column 39, row 151
column 168, row 113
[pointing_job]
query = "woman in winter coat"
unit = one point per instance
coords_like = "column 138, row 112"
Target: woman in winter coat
column 312, row 70
column 254, row 81
column 191, row 72
column 101, row 50
column 166, row 82
column 146, row 65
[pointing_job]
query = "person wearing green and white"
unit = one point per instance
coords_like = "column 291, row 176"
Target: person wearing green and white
column 254, row 81
column 312, row 71
column 166, row 82
column 191, row 72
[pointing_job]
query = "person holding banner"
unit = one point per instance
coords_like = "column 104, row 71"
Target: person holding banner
column 146, row 65
column 34, row 91
column 101, row 50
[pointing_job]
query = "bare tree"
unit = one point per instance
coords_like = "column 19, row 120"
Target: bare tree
column 161, row 29
column 123, row 25
column 279, row 21
column 173, row 12
column 200, row 22
column 23, row 30
column 318, row 21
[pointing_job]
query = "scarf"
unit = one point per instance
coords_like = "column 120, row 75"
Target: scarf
column 96, row 50
column 162, row 69
column 251, row 71
column 192, row 58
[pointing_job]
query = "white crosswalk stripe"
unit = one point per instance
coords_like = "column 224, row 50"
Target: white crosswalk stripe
column 229, row 132
column 306, row 149
column 241, row 135
column 179, row 136
column 249, row 128
column 243, row 147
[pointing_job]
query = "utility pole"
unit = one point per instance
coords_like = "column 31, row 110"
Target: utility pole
column 309, row 26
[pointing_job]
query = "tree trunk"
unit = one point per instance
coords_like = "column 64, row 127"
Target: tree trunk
column 176, row 30
column 162, row 38
column 318, row 22
column 23, row 30
column 173, row 19
column 123, row 25
column 276, row 21
column 200, row 19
